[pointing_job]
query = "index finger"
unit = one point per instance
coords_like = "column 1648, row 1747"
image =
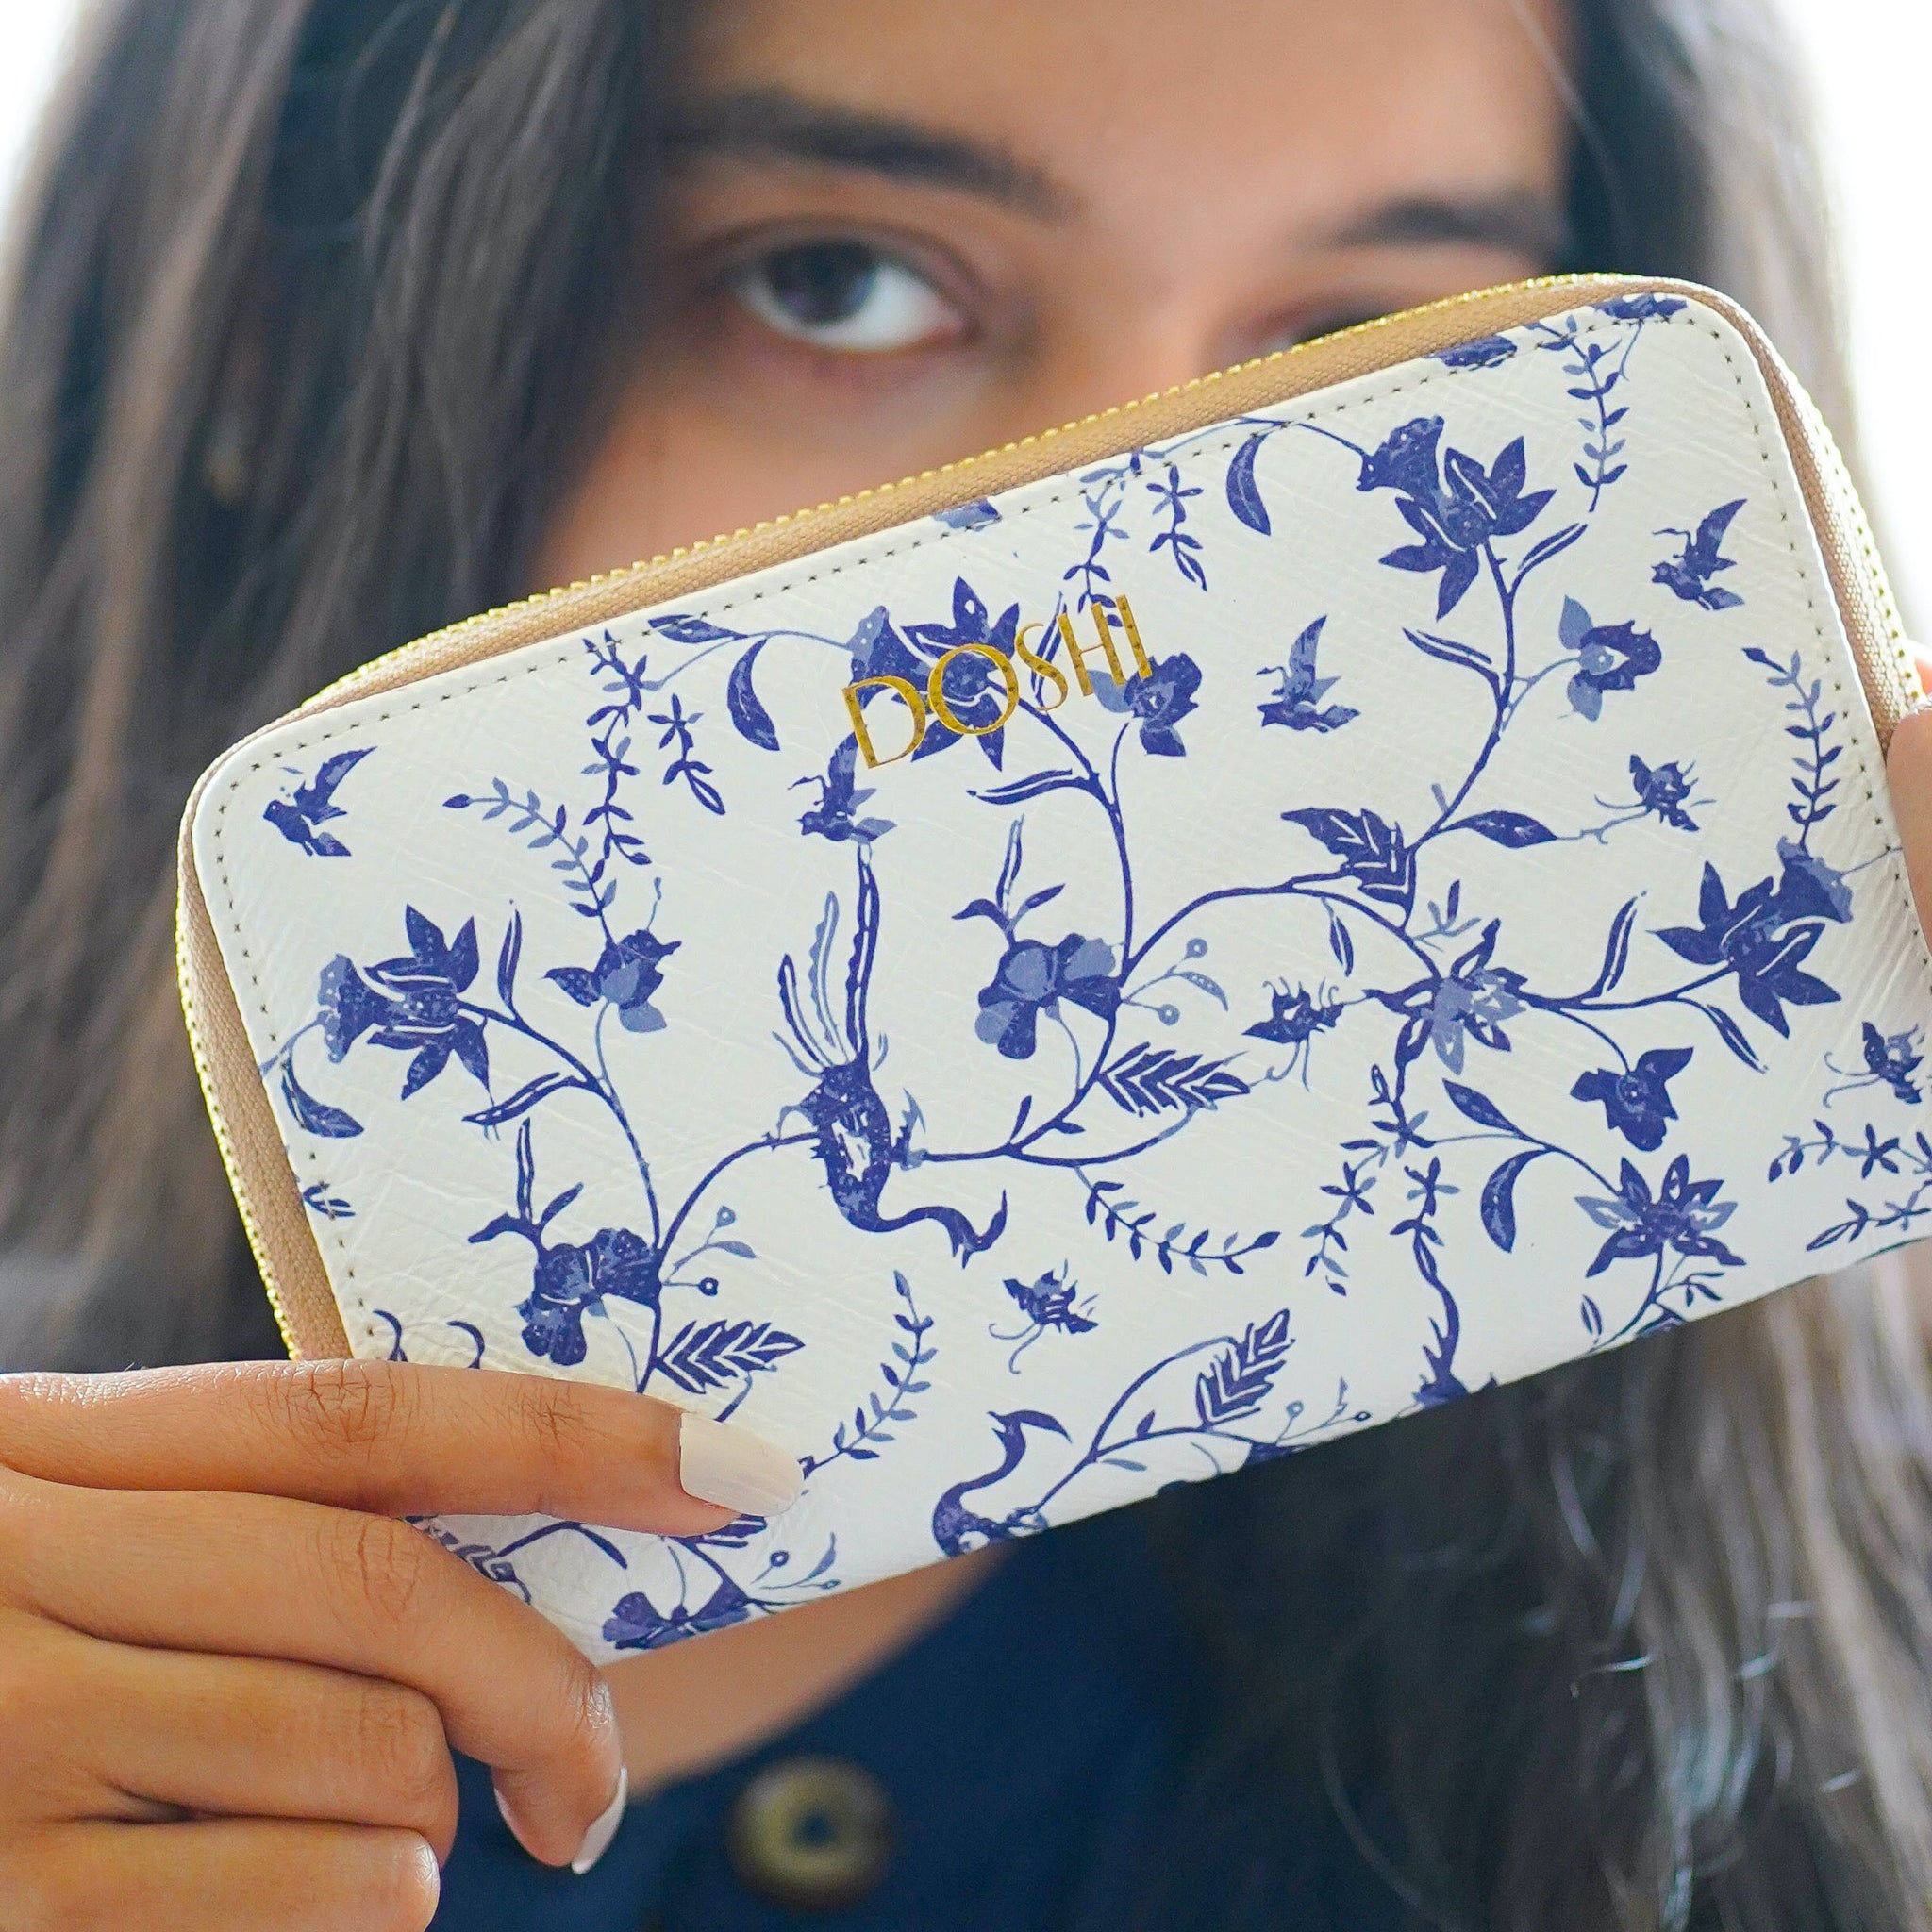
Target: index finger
column 397, row 1438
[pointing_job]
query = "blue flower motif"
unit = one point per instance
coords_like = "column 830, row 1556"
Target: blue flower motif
column 349, row 1005
column 1683, row 1216
column 626, row 974
column 1404, row 460
column 1610, row 657
column 1809, row 889
column 1032, row 979
column 1456, row 514
column 1876, row 1154
column 1888, row 1057
column 973, row 686
column 1637, row 1102
column 571, row 1281
column 1641, row 307
column 1159, row 700
column 1765, row 937
column 1663, row 788
column 419, row 1010
column 1486, row 351
column 1472, row 1001
column 878, row 650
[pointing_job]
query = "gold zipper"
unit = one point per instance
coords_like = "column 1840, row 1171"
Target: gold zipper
column 276, row 1221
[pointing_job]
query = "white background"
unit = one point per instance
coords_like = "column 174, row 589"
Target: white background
column 1872, row 60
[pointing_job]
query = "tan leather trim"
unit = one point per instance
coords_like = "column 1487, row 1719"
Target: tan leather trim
column 252, row 1152
column 271, row 1209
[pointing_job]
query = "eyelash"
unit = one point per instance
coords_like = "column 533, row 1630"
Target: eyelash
column 919, row 311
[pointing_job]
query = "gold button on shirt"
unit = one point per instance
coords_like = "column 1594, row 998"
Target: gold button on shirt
column 811, row 1834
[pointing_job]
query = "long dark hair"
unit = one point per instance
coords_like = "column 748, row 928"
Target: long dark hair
column 311, row 310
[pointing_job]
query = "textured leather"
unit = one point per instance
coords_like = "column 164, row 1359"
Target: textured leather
column 1477, row 939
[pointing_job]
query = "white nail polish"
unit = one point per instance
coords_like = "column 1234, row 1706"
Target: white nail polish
column 720, row 1462
column 597, row 1839
column 503, row 1812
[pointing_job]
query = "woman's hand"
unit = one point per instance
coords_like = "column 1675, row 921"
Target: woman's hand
column 231, row 1677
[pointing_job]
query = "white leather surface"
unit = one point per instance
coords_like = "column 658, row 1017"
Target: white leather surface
column 1079, row 1199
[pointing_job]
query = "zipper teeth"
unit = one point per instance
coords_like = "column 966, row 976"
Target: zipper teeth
column 390, row 660
column 231, row 1163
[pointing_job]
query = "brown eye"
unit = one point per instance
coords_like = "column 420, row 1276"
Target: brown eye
column 845, row 295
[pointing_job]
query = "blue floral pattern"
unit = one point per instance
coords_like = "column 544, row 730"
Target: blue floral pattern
column 931, row 1103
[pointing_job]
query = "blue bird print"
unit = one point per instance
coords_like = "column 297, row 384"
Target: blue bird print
column 1298, row 703
column 300, row 819
column 831, row 817
column 1689, row 574
column 957, row 1530
column 852, row 1132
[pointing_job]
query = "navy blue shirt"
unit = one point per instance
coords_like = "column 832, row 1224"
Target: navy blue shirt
column 1025, row 1748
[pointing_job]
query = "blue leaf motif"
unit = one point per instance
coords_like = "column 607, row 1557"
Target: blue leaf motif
column 753, row 721
column 1372, row 852
column 1477, row 1107
column 1233, row 1387
column 521, row 1102
column 1243, row 498
column 1514, row 830
column 683, row 629
column 968, row 516
column 1499, row 1199
column 578, row 981
column 315, row 1116
column 1731, row 1034
column 1573, row 626
column 1616, row 949
column 1034, row 786
column 1339, row 941
column 508, row 960
column 698, row 1359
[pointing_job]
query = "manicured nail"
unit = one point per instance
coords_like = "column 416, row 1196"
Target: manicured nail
column 509, row 1824
column 597, row 1839
column 720, row 1462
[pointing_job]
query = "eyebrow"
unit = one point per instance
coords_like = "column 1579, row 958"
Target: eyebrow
column 770, row 124
column 776, row 124
column 1518, row 219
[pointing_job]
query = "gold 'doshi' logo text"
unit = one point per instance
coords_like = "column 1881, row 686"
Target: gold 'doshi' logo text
column 922, row 707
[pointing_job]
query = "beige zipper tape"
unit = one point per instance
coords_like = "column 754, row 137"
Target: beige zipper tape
column 245, row 1123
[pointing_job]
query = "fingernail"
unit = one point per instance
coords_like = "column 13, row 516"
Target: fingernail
column 597, row 1839
column 722, row 1463
column 509, row 1824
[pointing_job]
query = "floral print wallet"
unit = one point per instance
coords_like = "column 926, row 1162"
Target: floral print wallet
column 1364, row 876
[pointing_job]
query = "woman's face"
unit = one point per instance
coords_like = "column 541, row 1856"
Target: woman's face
column 899, row 234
